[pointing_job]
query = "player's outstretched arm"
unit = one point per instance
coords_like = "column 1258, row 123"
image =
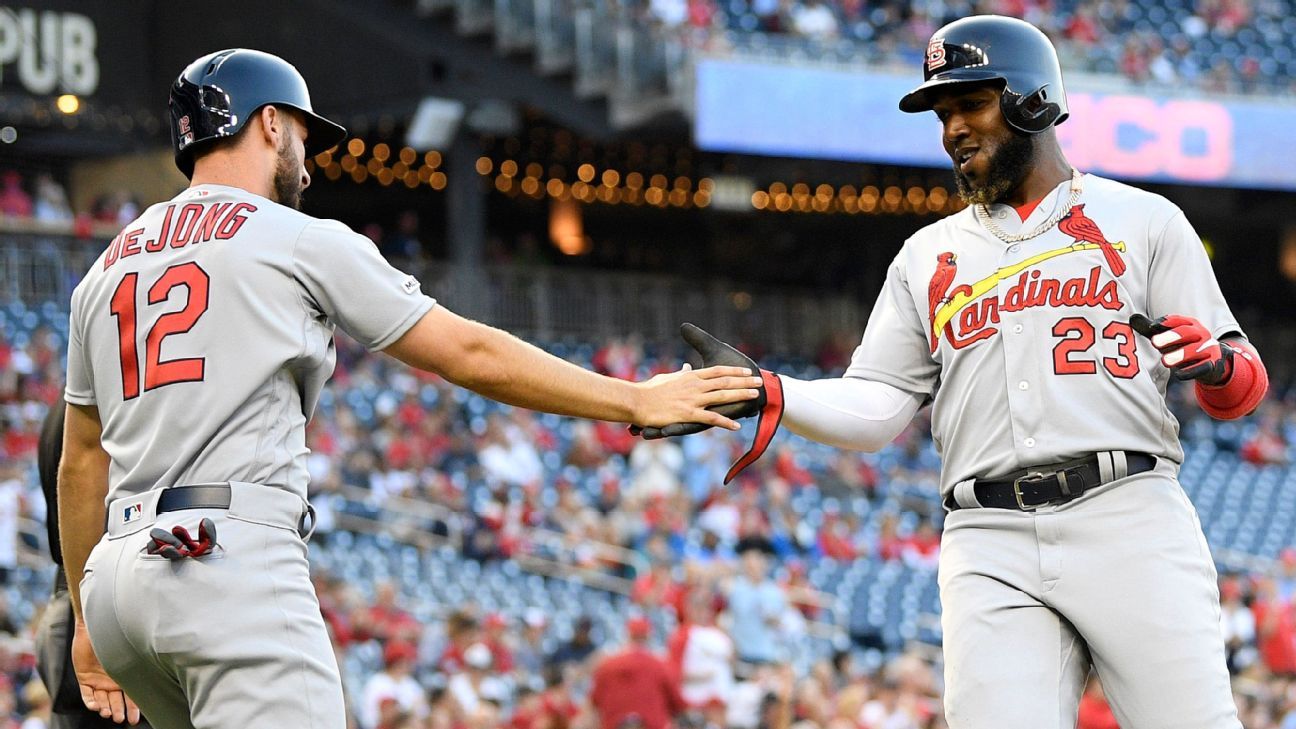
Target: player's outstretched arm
column 82, row 488
column 502, row 367
column 852, row 412
column 847, row 412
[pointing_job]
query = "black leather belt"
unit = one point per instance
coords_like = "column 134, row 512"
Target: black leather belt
column 217, row 496
column 209, row 496
column 1031, row 488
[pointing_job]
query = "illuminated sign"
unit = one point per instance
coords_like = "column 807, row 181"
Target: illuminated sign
column 821, row 113
column 47, row 50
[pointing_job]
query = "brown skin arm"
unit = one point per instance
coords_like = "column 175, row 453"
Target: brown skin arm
column 82, row 488
column 502, row 367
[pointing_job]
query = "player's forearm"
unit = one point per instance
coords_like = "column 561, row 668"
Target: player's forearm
column 82, row 485
column 502, row 367
column 847, row 412
column 1245, row 387
column 505, row 368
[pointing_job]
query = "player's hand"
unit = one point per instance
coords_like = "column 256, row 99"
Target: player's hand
column 98, row 691
column 714, row 352
column 685, row 396
column 1187, row 348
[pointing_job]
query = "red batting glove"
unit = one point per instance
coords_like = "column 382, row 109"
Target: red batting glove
column 1187, row 348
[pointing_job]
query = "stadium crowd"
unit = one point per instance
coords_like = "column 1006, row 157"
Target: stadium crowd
column 1217, row 46
column 714, row 629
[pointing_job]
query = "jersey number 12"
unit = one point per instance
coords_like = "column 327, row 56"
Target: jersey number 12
column 158, row 373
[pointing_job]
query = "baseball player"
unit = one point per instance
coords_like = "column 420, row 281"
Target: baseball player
column 198, row 345
column 1043, row 322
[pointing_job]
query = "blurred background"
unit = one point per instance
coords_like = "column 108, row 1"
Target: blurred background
column 588, row 174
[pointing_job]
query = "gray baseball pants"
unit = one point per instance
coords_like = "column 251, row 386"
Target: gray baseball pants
column 230, row 639
column 1120, row 578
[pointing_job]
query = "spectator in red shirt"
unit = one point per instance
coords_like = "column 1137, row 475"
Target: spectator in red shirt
column 557, row 709
column 1094, row 711
column 385, row 620
column 923, row 548
column 495, row 627
column 13, row 199
column 634, row 685
column 1275, row 629
column 889, row 544
column 461, row 632
column 835, row 538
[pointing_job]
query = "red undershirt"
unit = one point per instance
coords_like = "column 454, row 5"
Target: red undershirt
column 1024, row 211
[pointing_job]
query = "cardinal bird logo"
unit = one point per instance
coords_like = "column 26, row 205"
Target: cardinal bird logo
column 1085, row 230
column 938, row 288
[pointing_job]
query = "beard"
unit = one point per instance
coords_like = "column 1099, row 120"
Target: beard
column 1004, row 172
column 287, row 183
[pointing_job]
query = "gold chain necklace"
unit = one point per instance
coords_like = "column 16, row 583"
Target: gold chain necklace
column 987, row 220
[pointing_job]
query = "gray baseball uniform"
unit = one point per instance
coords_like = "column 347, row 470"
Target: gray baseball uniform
column 1027, row 352
column 203, row 335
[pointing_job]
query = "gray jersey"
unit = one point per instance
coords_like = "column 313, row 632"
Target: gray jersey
column 1026, row 347
column 204, row 334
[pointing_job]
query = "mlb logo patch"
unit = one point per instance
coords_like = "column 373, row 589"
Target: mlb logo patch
column 132, row 512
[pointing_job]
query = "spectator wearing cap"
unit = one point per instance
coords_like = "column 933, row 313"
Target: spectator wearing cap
column 475, row 686
column 394, row 683
column 634, row 686
column 756, row 607
column 495, row 636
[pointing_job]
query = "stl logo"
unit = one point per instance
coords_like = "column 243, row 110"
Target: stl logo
column 133, row 512
column 935, row 54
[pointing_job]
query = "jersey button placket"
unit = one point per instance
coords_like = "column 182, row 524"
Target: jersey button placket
column 1020, row 369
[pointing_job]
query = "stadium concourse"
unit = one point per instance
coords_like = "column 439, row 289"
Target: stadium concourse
column 464, row 631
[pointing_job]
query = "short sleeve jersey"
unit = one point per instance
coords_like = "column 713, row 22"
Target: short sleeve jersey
column 204, row 334
column 1025, row 347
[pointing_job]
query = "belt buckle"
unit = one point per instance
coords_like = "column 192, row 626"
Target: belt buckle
column 1032, row 477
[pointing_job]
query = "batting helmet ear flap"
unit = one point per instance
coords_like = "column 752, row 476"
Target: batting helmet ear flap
column 1031, row 113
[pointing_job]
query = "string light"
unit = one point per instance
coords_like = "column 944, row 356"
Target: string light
column 632, row 187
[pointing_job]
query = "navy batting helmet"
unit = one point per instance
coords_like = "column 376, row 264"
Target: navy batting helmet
column 996, row 48
column 218, row 93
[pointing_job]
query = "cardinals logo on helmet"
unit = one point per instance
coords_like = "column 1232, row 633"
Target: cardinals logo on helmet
column 935, row 54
